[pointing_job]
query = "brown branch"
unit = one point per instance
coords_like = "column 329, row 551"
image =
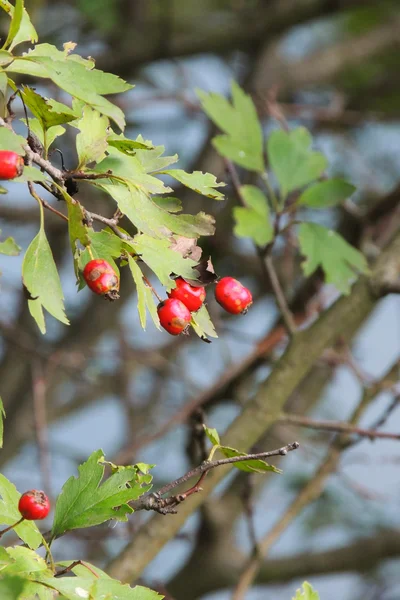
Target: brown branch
column 154, row 501
column 310, row 492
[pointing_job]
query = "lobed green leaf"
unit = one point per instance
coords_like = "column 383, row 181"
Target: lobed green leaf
column 243, row 139
column 293, row 161
column 86, row 501
column 202, row 183
column 254, row 219
column 49, row 112
column 91, row 142
column 202, row 324
column 163, row 261
column 326, row 248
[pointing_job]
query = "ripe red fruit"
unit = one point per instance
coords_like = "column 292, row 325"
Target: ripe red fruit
column 34, row 505
column 233, row 296
column 191, row 296
column 174, row 316
column 11, row 164
column 101, row 278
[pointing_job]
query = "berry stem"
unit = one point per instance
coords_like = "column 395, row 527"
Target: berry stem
column 89, row 249
column 3, row 531
column 152, row 289
column 49, row 555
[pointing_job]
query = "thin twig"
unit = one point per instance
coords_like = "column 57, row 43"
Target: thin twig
column 337, row 426
column 111, row 223
column 280, row 296
column 154, row 501
column 73, row 565
column 148, row 283
column 266, row 260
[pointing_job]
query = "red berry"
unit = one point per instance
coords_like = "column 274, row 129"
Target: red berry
column 101, row 278
column 174, row 316
column 233, row 296
column 191, row 296
column 11, row 164
column 34, row 505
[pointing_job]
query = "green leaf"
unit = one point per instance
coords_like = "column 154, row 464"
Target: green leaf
column 172, row 205
column 212, row 435
column 250, row 466
column 326, row 193
column 24, row 562
column 152, row 308
column 163, row 261
column 82, row 571
column 75, row 76
column 202, row 183
column 16, row 20
column 5, row 56
column 9, row 247
column 132, row 170
column 11, row 141
column 137, row 205
column 49, row 112
column 31, row 174
column 2, row 417
column 152, row 159
column 86, row 501
column 140, row 288
column 326, row 248
column 26, row 32
column 254, row 219
column 243, row 142
column 78, row 231
column 128, row 146
column 91, row 142
column 103, row 244
column 9, row 514
column 36, row 590
column 202, row 324
column 11, row 587
column 292, row 160
column 104, row 589
column 46, row 138
column 3, row 87
column 40, row 277
column 306, row 593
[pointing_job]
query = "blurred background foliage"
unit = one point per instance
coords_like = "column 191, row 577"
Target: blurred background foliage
column 333, row 66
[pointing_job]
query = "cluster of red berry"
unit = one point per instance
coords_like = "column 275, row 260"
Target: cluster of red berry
column 174, row 312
